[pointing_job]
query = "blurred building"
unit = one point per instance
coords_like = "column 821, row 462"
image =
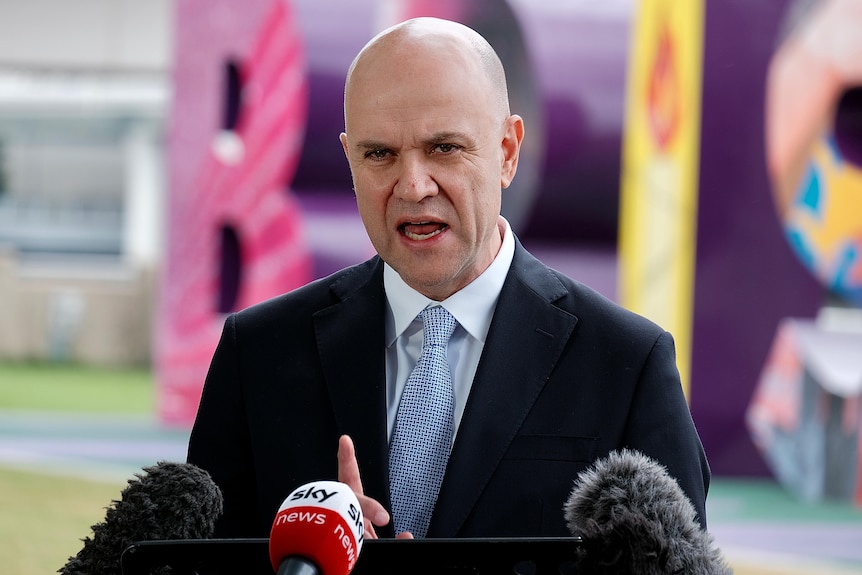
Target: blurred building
column 83, row 91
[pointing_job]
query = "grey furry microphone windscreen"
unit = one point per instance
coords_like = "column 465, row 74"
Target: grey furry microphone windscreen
column 166, row 501
column 634, row 519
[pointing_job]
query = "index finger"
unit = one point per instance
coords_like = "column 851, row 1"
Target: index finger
column 348, row 473
column 348, row 467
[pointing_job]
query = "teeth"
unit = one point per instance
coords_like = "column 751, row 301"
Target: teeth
column 413, row 236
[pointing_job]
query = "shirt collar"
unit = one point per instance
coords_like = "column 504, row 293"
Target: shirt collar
column 473, row 306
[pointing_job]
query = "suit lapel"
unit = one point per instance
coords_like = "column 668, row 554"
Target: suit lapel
column 525, row 340
column 350, row 336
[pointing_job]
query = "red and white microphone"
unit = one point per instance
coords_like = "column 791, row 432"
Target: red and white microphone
column 318, row 530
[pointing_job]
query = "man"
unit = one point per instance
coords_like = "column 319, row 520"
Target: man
column 548, row 375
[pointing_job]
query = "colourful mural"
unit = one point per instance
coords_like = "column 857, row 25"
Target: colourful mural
column 824, row 220
column 645, row 139
column 235, row 233
column 805, row 415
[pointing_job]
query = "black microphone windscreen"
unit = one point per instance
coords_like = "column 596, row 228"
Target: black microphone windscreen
column 166, row 501
column 635, row 519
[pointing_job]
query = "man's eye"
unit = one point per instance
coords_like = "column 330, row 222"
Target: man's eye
column 377, row 154
column 445, row 148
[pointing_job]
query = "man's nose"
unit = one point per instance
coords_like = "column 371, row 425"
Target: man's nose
column 415, row 181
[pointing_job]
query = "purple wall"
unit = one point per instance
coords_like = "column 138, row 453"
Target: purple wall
column 747, row 278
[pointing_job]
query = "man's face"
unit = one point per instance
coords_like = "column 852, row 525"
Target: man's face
column 429, row 152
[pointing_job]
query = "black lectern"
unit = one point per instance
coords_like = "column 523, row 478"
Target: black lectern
column 515, row 556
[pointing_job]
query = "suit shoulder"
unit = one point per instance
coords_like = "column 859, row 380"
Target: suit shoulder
column 591, row 306
column 315, row 295
column 582, row 301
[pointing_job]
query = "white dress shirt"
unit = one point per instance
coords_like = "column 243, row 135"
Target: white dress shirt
column 473, row 308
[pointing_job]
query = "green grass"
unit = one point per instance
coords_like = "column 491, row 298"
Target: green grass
column 45, row 517
column 752, row 499
column 56, row 387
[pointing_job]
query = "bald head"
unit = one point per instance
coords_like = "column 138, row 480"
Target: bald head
column 431, row 145
column 407, row 43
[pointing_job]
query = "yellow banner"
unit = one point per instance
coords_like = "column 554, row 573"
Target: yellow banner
column 661, row 148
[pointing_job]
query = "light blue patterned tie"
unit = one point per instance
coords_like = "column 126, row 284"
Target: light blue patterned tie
column 423, row 430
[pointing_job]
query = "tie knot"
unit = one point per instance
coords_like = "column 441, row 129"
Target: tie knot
column 438, row 325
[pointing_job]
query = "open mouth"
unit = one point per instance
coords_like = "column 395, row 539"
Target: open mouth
column 420, row 231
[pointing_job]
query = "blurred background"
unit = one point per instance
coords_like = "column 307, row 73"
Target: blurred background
column 163, row 163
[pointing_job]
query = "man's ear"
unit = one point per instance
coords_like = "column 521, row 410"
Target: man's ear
column 513, row 135
column 343, row 138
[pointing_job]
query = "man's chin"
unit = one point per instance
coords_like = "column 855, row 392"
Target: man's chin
column 437, row 286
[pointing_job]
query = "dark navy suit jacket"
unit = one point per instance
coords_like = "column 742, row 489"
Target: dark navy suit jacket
column 566, row 376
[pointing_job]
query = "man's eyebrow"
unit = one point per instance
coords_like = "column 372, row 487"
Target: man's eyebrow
column 446, row 137
column 433, row 139
column 371, row 145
